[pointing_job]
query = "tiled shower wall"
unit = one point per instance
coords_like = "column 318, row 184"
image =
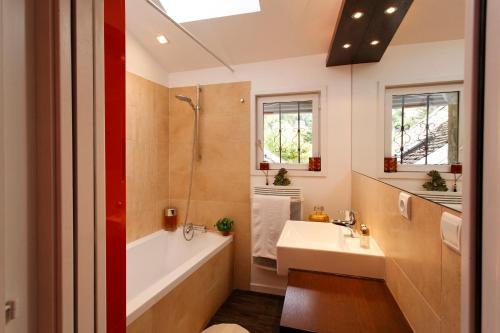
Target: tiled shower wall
column 221, row 182
column 422, row 273
column 147, row 145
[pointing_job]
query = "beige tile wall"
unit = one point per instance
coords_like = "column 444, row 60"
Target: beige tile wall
column 422, row 274
column 147, row 165
column 190, row 305
column 222, row 178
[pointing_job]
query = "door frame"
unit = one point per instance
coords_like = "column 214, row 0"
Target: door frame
column 490, row 302
column 55, row 168
column 2, row 175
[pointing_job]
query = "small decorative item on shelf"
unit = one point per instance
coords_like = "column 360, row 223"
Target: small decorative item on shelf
column 314, row 163
column 319, row 215
column 224, row 225
column 390, row 164
column 437, row 183
column 281, row 178
column 456, row 169
column 264, row 167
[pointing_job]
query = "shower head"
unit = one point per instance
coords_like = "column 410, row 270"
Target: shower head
column 185, row 99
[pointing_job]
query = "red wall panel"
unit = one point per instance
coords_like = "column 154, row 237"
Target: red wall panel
column 114, row 48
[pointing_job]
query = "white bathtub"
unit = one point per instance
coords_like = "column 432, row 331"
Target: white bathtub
column 159, row 262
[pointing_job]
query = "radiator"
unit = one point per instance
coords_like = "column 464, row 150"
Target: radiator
column 295, row 194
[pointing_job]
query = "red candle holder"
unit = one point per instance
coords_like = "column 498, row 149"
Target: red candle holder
column 390, row 164
column 314, row 163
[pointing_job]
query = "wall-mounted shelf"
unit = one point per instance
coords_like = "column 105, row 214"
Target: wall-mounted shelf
column 364, row 30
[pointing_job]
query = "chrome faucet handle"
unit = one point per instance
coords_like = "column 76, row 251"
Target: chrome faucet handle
column 199, row 227
column 352, row 217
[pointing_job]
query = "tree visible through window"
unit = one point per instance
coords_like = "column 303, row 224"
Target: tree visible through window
column 288, row 132
column 425, row 128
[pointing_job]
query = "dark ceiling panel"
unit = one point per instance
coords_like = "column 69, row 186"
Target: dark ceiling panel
column 375, row 24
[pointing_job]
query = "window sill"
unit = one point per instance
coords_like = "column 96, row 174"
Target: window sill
column 291, row 173
column 412, row 175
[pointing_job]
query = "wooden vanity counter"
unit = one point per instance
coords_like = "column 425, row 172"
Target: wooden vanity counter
column 326, row 303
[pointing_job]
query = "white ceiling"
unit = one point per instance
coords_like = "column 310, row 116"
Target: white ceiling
column 282, row 29
column 432, row 21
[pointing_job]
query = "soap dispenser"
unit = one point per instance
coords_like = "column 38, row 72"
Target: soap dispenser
column 364, row 239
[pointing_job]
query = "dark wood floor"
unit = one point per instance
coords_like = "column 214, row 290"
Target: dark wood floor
column 258, row 313
column 326, row 303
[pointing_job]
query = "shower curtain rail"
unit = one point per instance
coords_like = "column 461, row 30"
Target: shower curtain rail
column 188, row 33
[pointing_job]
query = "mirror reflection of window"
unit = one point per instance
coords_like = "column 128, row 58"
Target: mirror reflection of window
column 425, row 127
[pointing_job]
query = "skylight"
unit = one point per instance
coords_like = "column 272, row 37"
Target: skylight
column 194, row 10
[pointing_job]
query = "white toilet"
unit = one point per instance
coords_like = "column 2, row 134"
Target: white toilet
column 225, row 328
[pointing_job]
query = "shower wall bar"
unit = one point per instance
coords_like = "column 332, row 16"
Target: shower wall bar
column 160, row 9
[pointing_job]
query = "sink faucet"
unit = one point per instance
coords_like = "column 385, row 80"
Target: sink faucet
column 349, row 224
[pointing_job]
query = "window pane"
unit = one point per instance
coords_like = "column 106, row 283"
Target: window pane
column 443, row 128
column 397, row 125
column 414, row 121
column 272, row 133
column 289, row 132
column 306, row 131
column 425, row 128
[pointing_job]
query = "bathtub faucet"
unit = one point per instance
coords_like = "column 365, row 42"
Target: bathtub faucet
column 196, row 227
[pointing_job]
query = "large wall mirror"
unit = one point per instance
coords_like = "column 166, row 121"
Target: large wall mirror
column 407, row 109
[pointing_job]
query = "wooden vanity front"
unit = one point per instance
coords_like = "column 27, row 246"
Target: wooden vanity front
column 326, row 303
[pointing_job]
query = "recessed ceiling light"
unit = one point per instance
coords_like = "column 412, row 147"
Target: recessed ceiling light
column 346, row 45
column 357, row 15
column 390, row 10
column 374, row 42
column 162, row 39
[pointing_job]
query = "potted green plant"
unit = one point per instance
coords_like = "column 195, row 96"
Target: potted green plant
column 224, row 225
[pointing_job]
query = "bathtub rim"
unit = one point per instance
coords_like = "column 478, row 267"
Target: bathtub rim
column 154, row 293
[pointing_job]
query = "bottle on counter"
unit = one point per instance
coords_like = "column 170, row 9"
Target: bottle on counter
column 364, row 239
column 319, row 215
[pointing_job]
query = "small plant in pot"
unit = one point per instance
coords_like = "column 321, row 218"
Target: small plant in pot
column 224, row 225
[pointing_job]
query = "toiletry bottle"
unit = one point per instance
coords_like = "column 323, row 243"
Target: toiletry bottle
column 364, row 240
column 170, row 222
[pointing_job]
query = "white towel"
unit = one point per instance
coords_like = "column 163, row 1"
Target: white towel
column 269, row 214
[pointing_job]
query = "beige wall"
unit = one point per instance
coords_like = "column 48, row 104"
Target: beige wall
column 189, row 307
column 221, row 182
column 422, row 273
column 147, row 121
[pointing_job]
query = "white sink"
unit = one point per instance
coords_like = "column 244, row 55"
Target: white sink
column 325, row 247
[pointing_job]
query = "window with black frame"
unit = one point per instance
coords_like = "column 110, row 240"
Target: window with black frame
column 425, row 128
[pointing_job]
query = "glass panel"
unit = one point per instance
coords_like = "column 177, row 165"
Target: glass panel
column 414, row 121
column 272, row 132
column 289, row 132
column 443, row 128
column 397, row 125
column 283, row 142
column 425, row 128
column 306, row 131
